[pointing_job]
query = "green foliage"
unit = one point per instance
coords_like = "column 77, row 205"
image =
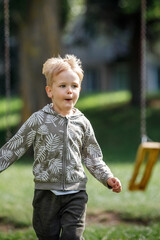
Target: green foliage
column 154, row 10
column 121, row 14
column 64, row 12
column 129, row 6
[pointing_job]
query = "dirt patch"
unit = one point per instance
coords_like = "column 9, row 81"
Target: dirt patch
column 6, row 225
column 105, row 218
column 112, row 218
column 93, row 218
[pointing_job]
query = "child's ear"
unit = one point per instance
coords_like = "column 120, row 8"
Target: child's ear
column 49, row 91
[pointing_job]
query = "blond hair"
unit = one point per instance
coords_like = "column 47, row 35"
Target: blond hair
column 53, row 66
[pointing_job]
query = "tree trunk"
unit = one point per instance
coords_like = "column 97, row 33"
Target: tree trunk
column 39, row 40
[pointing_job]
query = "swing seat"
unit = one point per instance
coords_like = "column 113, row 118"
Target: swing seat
column 147, row 152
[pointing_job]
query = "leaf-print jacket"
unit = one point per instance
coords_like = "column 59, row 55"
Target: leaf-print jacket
column 61, row 145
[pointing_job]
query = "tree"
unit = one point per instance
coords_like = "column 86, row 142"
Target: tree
column 125, row 14
column 36, row 25
column 39, row 38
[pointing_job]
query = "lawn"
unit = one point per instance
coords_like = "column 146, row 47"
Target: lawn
column 136, row 214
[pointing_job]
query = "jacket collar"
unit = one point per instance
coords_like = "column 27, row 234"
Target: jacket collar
column 49, row 110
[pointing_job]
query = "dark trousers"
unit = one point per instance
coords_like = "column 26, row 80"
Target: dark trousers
column 59, row 217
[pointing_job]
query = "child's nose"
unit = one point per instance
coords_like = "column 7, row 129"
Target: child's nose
column 69, row 90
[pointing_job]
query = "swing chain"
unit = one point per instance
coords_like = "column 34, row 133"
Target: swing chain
column 143, row 72
column 7, row 63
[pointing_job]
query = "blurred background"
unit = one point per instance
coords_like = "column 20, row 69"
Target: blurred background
column 104, row 34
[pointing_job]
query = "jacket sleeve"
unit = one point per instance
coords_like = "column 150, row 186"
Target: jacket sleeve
column 93, row 158
column 18, row 144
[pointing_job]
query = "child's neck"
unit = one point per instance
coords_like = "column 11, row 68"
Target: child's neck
column 67, row 114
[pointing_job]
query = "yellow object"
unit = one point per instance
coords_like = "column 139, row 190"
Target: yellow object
column 149, row 152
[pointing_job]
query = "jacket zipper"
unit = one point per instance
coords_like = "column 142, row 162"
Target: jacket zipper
column 64, row 153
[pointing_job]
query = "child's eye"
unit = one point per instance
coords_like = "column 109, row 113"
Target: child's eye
column 62, row 86
column 74, row 86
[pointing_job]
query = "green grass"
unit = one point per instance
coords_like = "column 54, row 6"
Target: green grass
column 16, row 187
column 27, row 234
column 9, row 112
column 129, row 205
column 104, row 99
column 123, row 233
column 99, row 233
column 117, row 130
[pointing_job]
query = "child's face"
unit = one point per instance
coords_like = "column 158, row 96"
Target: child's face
column 64, row 92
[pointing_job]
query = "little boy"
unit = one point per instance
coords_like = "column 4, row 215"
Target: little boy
column 62, row 138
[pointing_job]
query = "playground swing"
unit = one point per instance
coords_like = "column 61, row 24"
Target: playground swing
column 148, row 152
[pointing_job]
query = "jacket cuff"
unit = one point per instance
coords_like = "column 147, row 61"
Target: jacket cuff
column 105, row 182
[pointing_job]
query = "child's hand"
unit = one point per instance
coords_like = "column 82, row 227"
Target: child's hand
column 115, row 184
